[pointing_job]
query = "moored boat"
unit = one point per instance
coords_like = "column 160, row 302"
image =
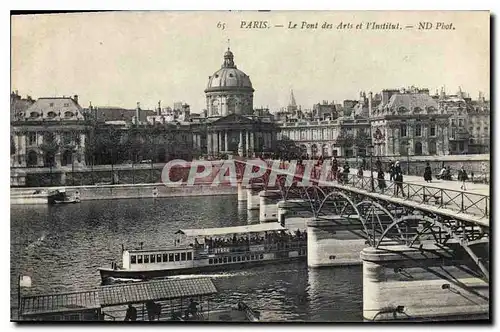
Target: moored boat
column 60, row 196
column 211, row 249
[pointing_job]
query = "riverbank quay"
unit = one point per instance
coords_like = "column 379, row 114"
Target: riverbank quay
column 40, row 195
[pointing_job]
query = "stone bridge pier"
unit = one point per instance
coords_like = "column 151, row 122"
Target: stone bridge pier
column 422, row 284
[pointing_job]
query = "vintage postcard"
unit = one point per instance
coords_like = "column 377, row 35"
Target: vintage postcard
column 250, row 166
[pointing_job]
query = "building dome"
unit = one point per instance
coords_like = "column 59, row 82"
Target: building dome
column 229, row 77
column 229, row 90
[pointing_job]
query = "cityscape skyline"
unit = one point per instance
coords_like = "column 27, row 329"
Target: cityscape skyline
column 140, row 65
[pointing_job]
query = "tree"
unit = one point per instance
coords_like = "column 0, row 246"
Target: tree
column 49, row 148
column 285, row 147
column 362, row 139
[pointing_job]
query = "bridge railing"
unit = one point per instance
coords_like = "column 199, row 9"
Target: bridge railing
column 459, row 201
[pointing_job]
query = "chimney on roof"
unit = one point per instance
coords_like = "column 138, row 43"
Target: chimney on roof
column 137, row 113
column 75, row 98
column 370, row 96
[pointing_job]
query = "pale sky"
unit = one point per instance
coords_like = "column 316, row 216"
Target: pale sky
column 118, row 59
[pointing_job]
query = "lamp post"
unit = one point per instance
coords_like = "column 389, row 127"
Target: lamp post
column 408, row 158
column 371, row 168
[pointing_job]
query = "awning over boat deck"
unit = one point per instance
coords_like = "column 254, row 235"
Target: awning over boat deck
column 256, row 228
column 60, row 303
column 156, row 290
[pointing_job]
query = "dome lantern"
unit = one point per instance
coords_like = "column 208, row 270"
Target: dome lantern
column 228, row 59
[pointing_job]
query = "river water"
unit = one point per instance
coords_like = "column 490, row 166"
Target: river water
column 61, row 247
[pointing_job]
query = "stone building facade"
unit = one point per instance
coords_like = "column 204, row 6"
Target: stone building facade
column 51, row 132
column 409, row 122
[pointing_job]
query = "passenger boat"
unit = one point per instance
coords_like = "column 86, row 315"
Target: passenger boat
column 196, row 250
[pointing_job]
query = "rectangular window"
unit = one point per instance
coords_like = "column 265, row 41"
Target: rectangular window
column 32, row 138
column 152, row 258
column 234, row 258
column 453, row 122
column 139, row 259
column 158, row 258
column 210, row 261
column 403, row 130
column 146, row 259
column 225, row 260
column 418, row 130
column 183, row 256
column 190, row 256
column 67, row 138
column 261, row 256
column 177, row 257
column 239, row 258
column 170, row 257
column 132, row 259
column 252, row 257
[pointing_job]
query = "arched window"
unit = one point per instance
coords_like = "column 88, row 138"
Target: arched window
column 418, row 149
column 231, row 106
column 432, row 148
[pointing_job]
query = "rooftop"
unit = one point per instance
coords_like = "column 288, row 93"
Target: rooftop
column 114, row 295
column 255, row 228
column 156, row 290
column 64, row 302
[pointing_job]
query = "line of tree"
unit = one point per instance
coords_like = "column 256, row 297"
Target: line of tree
column 108, row 145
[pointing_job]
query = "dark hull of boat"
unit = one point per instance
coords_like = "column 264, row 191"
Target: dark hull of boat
column 107, row 275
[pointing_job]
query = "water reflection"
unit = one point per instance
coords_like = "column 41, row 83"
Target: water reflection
column 335, row 293
column 61, row 248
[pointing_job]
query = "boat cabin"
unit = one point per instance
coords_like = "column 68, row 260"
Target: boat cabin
column 174, row 257
column 250, row 239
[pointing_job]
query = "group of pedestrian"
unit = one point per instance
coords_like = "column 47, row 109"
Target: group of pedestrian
column 445, row 174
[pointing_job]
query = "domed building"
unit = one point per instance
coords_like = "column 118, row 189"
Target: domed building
column 231, row 125
column 229, row 90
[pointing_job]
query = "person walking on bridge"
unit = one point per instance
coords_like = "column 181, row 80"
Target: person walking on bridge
column 428, row 173
column 398, row 177
column 381, row 180
column 391, row 171
column 335, row 167
column 462, row 176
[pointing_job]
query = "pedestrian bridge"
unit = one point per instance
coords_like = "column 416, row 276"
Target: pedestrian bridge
column 438, row 212
column 424, row 246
